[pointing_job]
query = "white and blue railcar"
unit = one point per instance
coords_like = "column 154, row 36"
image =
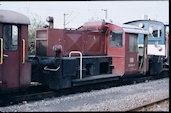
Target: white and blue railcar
column 157, row 42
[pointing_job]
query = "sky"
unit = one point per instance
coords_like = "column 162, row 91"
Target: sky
column 79, row 12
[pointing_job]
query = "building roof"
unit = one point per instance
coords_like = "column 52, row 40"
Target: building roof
column 7, row 16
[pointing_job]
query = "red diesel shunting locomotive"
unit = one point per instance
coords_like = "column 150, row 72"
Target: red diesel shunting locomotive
column 95, row 52
column 106, row 51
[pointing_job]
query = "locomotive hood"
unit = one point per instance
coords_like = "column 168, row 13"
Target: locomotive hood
column 98, row 25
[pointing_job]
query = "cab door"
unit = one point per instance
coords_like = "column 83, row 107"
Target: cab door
column 9, row 66
column 116, row 49
column 131, row 50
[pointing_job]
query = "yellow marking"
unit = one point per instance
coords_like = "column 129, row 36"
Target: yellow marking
column 1, row 51
column 23, row 51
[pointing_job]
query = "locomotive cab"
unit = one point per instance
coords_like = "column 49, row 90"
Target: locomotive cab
column 127, row 58
column 14, row 67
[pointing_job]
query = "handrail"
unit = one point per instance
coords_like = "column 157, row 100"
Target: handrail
column 80, row 61
column 24, row 44
column 1, row 51
column 48, row 69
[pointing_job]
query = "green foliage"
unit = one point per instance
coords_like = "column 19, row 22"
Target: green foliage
column 36, row 22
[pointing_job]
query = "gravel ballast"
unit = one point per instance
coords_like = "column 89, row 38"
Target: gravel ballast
column 111, row 99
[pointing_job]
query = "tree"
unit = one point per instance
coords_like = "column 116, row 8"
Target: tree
column 36, row 22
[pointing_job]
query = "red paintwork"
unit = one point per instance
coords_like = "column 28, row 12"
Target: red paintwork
column 73, row 41
column 13, row 73
column 130, row 67
column 94, row 26
column 121, row 55
column 89, row 43
column 95, row 43
column 10, row 68
column 52, row 33
column 117, row 53
column 25, row 69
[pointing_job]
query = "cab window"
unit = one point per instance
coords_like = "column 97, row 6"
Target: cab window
column 116, row 38
column 133, row 43
column 155, row 30
column 10, row 36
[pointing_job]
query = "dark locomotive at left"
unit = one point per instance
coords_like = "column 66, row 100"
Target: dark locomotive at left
column 95, row 52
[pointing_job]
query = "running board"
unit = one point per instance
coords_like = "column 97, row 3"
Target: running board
column 95, row 79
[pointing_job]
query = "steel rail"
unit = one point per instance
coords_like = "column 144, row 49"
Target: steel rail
column 146, row 105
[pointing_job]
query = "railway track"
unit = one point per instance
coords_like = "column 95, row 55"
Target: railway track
column 146, row 105
column 41, row 92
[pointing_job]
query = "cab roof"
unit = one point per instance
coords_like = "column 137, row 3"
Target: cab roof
column 143, row 20
column 134, row 29
column 12, row 17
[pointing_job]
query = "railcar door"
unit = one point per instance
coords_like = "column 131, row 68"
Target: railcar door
column 9, row 56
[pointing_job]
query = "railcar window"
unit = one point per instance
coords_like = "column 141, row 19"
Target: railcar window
column 133, row 44
column 116, row 38
column 156, row 30
column 10, row 36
